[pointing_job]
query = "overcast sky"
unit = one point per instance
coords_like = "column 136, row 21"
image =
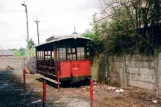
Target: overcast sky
column 58, row 17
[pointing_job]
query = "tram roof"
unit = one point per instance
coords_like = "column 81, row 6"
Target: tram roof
column 64, row 38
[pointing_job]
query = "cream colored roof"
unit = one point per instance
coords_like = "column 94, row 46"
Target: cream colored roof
column 75, row 36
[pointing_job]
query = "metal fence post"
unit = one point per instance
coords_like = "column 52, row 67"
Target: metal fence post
column 91, row 92
column 44, row 94
column 24, row 80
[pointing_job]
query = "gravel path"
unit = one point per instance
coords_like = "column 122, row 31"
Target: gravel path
column 11, row 91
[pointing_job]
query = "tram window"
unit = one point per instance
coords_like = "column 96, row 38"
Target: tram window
column 80, row 53
column 73, row 50
column 42, row 55
column 38, row 55
column 62, row 53
column 69, row 50
column 71, row 55
column 47, row 55
column 52, row 54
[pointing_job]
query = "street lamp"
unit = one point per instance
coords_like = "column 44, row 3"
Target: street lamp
column 28, row 50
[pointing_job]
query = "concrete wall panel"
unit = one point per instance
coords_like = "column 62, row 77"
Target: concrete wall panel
column 140, row 64
column 141, row 84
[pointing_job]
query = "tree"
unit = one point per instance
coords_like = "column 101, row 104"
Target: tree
column 31, row 43
column 22, row 51
column 96, row 45
column 129, row 25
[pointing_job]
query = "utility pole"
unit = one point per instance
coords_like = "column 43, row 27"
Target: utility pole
column 27, row 27
column 37, row 24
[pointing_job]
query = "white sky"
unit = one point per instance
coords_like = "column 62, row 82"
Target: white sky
column 58, row 17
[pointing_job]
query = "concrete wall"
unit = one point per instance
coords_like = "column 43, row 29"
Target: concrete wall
column 97, row 67
column 17, row 63
column 159, row 73
column 137, row 70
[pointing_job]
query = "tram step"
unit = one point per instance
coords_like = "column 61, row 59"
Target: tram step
column 49, row 79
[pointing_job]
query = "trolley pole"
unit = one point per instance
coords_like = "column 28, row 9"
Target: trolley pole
column 37, row 24
column 91, row 92
column 24, row 80
column 44, row 94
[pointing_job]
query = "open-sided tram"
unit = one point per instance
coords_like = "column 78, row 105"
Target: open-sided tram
column 67, row 55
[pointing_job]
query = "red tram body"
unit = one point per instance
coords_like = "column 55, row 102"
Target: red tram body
column 68, row 55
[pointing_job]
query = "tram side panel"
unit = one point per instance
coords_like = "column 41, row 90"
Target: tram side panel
column 73, row 69
column 65, row 68
column 80, row 68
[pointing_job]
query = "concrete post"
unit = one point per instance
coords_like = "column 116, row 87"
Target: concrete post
column 124, row 73
column 156, row 59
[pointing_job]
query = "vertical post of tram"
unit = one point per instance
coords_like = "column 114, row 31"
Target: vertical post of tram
column 58, row 80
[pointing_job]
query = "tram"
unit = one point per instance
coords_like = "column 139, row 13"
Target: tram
column 67, row 55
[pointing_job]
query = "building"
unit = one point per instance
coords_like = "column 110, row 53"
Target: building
column 6, row 53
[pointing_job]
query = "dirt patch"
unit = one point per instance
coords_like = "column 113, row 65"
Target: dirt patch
column 103, row 97
column 7, row 68
column 11, row 92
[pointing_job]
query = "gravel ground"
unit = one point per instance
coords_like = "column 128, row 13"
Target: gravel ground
column 72, row 96
column 11, row 94
column 11, row 91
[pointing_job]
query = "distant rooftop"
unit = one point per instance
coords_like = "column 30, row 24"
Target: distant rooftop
column 6, row 53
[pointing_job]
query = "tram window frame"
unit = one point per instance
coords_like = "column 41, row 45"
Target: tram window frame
column 37, row 53
column 71, row 53
column 47, row 55
column 81, row 53
column 53, row 55
column 61, row 54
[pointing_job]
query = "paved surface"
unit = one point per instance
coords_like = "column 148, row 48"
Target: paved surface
column 11, row 92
